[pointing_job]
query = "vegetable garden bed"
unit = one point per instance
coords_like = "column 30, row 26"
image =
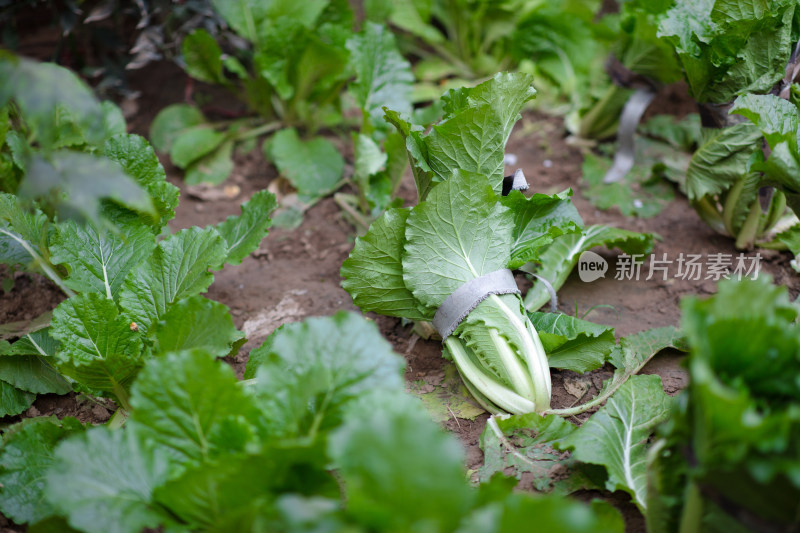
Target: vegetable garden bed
column 308, row 425
column 294, row 274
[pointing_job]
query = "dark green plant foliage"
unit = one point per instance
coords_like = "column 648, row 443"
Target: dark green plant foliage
column 739, row 51
column 475, row 39
column 727, row 48
column 575, row 46
column 103, row 204
column 729, row 454
column 204, row 452
column 731, row 166
column 292, row 77
column 303, row 58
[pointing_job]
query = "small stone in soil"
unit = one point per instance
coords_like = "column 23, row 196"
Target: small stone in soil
column 99, row 411
column 577, row 387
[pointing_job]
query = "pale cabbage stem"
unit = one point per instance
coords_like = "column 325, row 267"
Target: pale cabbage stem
column 533, row 354
column 517, row 372
column 502, row 396
column 539, row 365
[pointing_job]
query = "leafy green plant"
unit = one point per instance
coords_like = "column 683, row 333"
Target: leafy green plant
column 128, row 291
column 564, row 47
column 502, row 356
column 467, row 38
column 609, row 450
column 728, row 197
column 727, row 52
column 297, row 90
column 56, row 137
column 323, row 413
column 728, row 457
column 411, row 260
column 292, row 78
column 638, row 58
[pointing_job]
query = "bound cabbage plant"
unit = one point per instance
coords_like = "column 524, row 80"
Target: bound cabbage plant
column 465, row 233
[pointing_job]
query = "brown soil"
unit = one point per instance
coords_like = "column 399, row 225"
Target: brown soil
column 30, row 297
column 295, row 273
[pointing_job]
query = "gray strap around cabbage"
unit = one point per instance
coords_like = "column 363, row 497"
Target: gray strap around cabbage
column 628, row 122
column 646, row 89
column 467, row 297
